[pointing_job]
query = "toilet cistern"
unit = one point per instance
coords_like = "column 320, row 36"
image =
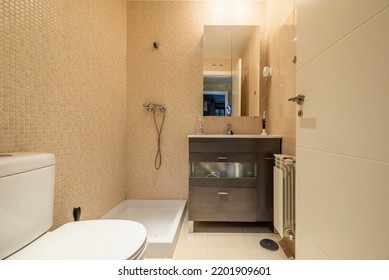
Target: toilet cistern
column 27, row 182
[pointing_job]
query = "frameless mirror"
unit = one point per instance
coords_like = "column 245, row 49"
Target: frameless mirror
column 231, row 70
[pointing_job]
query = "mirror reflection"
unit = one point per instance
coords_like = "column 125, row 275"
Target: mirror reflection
column 231, row 70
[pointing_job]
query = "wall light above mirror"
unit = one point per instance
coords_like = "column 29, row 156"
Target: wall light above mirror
column 231, row 70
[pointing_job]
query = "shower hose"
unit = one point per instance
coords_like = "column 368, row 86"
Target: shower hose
column 158, row 156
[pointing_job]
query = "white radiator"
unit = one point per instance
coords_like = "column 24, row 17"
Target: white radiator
column 284, row 195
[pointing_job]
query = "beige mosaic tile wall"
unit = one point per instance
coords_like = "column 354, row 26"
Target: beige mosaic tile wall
column 279, row 49
column 172, row 76
column 63, row 90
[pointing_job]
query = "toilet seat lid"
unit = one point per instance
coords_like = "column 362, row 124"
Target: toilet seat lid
column 88, row 240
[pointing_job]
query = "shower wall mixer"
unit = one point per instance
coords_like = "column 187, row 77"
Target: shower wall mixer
column 151, row 107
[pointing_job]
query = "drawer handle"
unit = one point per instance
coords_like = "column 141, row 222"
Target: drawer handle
column 222, row 193
column 270, row 158
column 222, row 158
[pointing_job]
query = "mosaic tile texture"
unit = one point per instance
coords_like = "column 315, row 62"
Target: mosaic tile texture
column 63, row 90
column 278, row 51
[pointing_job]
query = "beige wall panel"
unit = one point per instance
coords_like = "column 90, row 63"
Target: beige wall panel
column 63, row 91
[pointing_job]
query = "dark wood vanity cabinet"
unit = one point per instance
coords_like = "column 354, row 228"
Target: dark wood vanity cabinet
column 231, row 179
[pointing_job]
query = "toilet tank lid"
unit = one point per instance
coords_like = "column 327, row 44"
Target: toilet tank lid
column 19, row 162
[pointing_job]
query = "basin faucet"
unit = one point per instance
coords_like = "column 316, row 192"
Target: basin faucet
column 229, row 129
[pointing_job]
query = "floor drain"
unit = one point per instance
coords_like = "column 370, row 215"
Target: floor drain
column 269, row 244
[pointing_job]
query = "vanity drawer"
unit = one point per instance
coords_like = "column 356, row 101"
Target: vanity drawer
column 222, row 204
column 222, row 157
column 223, row 182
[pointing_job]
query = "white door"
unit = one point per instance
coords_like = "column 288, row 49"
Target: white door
column 342, row 150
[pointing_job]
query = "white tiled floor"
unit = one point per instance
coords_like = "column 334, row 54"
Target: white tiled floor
column 224, row 246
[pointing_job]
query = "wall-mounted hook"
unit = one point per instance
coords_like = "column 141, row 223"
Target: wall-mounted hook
column 156, row 45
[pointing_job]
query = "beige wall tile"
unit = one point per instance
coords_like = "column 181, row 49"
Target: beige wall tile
column 63, row 91
column 278, row 51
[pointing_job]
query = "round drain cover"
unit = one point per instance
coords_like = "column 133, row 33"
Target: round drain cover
column 269, row 244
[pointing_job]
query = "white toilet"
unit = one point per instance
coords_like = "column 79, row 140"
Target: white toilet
column 26, row 213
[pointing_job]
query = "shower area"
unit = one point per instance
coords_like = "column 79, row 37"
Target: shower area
column 162, row 219
column 155, row 157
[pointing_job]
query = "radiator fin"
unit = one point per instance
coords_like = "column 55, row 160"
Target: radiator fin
column 284, row 195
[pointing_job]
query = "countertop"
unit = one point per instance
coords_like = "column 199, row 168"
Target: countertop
column 233, row 136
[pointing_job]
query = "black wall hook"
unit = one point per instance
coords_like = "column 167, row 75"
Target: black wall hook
column 156, row 45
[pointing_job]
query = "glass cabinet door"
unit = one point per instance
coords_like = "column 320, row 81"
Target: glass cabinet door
column 223, row 169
